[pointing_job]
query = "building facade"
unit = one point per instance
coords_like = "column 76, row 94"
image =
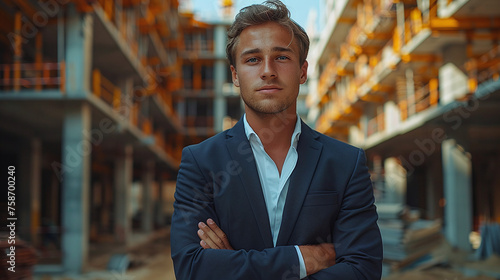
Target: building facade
column 208, row 102
column 88, row 121
column 416, row 84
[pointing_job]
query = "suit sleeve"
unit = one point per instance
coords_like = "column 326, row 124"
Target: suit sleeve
column 194, row 203
column 356, row 236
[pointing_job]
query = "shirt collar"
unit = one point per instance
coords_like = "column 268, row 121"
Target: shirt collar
column 295, row 136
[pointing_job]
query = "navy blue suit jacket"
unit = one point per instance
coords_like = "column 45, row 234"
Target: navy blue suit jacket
column 330, row 199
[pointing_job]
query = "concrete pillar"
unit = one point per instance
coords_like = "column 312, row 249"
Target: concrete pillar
column 378, row 180
column 127, row 99
column 410, row 91
column 400, row 22
column 78, row 55
column 457, row 182
column 220, row 73
column 54, row 192
column 160, row 214
column 452, row 80
column 433, row 183
column 75, row 177
column 29, row 201
column 395, row 181
column 147, row 199
column 122, row 188
column 392, row 116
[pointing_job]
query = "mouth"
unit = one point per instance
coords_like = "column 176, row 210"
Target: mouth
column 269, row 89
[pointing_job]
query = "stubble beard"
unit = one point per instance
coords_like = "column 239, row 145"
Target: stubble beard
column 266, row 110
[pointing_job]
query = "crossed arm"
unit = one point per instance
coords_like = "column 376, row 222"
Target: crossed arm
column 316, row 257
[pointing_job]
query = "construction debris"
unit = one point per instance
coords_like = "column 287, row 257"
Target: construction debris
column 406, row 238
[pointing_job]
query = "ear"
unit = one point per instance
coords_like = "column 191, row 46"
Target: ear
column 234, row 75
column 303, row 72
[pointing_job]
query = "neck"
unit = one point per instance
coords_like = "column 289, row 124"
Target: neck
column 274, row 130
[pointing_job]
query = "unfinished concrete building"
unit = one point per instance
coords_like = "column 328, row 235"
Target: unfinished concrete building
column 416, row 84
column 87, row 119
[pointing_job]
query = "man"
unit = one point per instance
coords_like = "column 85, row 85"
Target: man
column 271, row 198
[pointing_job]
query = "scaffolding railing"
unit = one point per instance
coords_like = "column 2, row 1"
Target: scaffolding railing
column 483, row 68
column 376, row 124
column 328, row 76
column 37, row 76
column 140, row 121
column 424, row 98
column 106, row 90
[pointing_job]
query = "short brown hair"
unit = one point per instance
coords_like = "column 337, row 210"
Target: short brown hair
column 269, row 11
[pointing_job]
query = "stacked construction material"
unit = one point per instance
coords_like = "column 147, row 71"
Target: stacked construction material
column 406, row 238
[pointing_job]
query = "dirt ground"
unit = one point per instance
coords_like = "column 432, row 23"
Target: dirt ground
column 152, row 261
column 148, row 261
column 447, row 263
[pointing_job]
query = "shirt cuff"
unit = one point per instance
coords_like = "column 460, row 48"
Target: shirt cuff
column 302, row 264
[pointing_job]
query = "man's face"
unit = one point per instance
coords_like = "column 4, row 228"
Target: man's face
column 268, row 69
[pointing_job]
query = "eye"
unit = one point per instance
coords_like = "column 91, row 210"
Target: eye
column 252, row 60
column 282, row 57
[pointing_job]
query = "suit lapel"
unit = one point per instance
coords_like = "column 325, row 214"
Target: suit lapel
column 309, row 150
column 240, row 151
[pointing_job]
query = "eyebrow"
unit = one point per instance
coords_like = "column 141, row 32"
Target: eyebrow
column 274, row 49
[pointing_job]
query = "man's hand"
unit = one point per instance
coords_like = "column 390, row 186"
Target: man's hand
column 212, row 236
column 317, row 257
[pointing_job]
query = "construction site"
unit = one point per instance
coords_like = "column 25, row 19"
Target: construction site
column 98, row 99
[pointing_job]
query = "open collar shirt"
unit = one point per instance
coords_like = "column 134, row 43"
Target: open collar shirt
column 275, row 185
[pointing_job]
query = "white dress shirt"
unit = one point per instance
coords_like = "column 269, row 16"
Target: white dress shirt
column 274, row 185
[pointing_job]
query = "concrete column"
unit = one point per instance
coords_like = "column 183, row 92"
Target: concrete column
column 452, row 80
column 395, row 181
column 147, row 199
column 400, row 21
column 29, row 191
column 122, row 189
column 52, row 193
column 127, row 99
column 160, row 214
column 220, row 73
column 457, row 182
column 378, row 180
column 78, row 55
column 433, row 183
column 75, row 177
column 410, row 92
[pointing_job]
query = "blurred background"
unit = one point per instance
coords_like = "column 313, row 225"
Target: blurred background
column 98, row 98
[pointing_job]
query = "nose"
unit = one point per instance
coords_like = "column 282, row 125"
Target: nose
column 268, row 69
